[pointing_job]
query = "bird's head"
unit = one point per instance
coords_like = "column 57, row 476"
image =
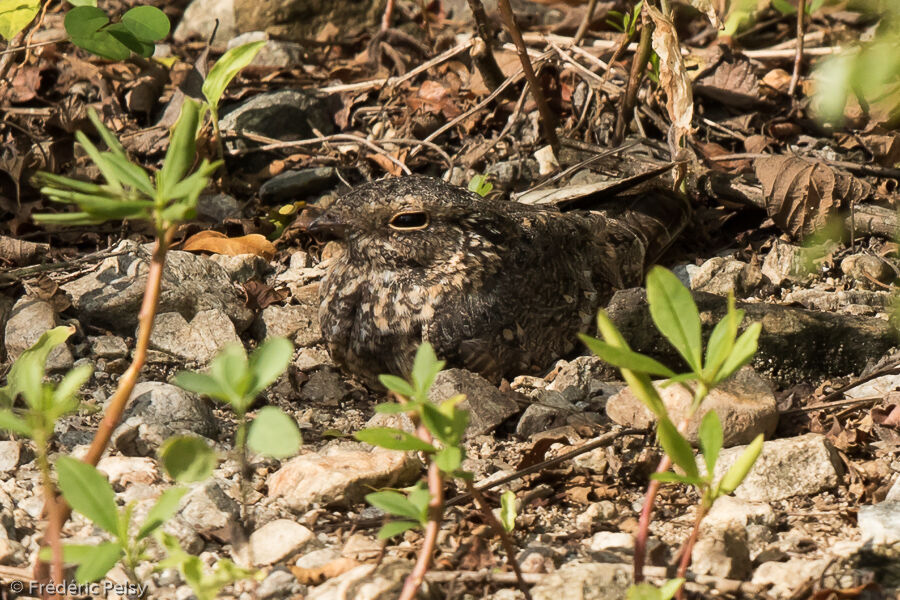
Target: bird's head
column 413, row 222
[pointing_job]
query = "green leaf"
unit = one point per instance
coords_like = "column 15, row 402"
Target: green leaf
column 87, row 491
column 394, row 503
column 182, row 149
column 83, row 2
column 391, row 408
column 84, row 21
column 668, row 590
column 274, row 433
column 58, row 181
column 389, row 530
column 449, row 459
column 784, row 7
column 10, row 422
column 226, row 68
column 87, row 28
column 147, row 23
column 480, row 185
column 123, row 35
column 624, row 358
column 742, row 352
column 268, row 362
column 70, row 384
column 164, row 509
column 393, row 439
column 643, row 591
column 131, row 174
column 710, row 435
column 199, row 383
column 721, row 341
column 187, row 459
column 675, row 315
column 397, row 384
column 108, row 137
column 508, row 510
column 94, row 561
column 426, row 366
column 678, row 448
column 73, row 218
column 741, row 467
column 441, row 426
column 27, row 373
column 15, row 15
column 670, row 477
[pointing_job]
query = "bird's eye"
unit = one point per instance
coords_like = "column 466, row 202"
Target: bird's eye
column 409, row 221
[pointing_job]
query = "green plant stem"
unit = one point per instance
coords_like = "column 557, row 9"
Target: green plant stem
column 687, row 550
column 217, row 134
column 51, row 509
column 635, row 77
column 500, row 532
column 643, row 532
column 119, row 400
column 435, row 517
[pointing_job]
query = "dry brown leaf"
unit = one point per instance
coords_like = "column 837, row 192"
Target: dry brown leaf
column 777, row 79
column 21, row 252
column 712, row 150
column 218, row 243
column 261, row 295
column 730, row 79
column 673, row 78
column 802, row 194
column 387, row 164
column 317, row 575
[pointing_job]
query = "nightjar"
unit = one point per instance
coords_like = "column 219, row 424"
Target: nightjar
column 497, row 287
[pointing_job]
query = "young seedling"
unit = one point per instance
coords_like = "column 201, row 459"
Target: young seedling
column 439, row 434
column 236, row 381
column 204, row 582
column 480, row 185
column 45, row 403
column 88, row 492
column 675, row 315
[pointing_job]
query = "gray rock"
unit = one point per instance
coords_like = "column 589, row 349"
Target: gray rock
column 122, row 471
column 283, row 115
column 10, row 453
column 301, row 20
column 721, row 550
column 487, row 406
column 242, row 267
column 595, row 513
column 215, row 208
column 309, row 359
column 296, row 185
column 198, row 341
column 611, row 546
column 324, row 386
column 158, row 410
column 722, row 275
column 208, row 510
column 277, row 540
column 802, row 465
column 852, row 301
column 369, row 582
column 199, row 20
column 745, row 404
column 550, row 411
column 796, row 345
column 865, row 267
column 757, row 519
column 275, row 53
column 584, row 581
column 880, row 523
column 788, row 577
column 111, row 295
column 594, row 461
column 108, row 346
column 29, row 320
column 583, row 375
column 893, row 493
column 297, row 321
column 788, row 264
column 880, row 386
column 342, row 477
column 279, row 583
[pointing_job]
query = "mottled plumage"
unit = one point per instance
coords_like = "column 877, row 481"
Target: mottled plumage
column 497, row 287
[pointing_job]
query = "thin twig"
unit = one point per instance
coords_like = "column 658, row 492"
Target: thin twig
column 548, row 120
column 586, row 23
column 30, row 46
column 483, row 55
column 500, row 532
column 798, row 57
column 394, row 81
column 638, row 63
column 22, row 272
column 386, row 17
column 34, row 28
column 686, row 550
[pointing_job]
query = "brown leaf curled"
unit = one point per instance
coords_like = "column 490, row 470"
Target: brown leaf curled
column 802, row 194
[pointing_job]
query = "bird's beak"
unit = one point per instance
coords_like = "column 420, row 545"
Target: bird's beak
column 327, row 225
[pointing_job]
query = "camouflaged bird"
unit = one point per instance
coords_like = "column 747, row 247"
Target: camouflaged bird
column 497, row 287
